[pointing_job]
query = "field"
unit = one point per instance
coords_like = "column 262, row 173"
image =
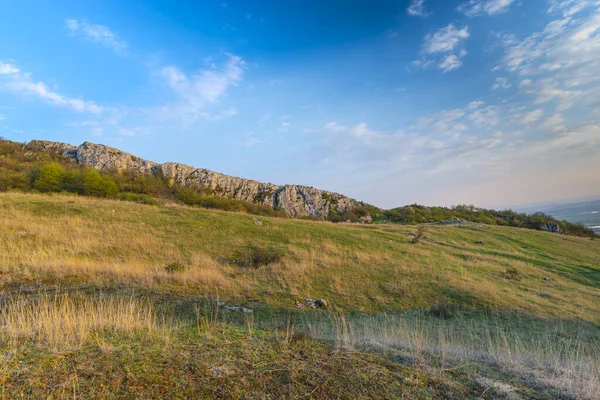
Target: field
column 117, row 299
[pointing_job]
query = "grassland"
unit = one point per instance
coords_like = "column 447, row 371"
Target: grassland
column 86, row 284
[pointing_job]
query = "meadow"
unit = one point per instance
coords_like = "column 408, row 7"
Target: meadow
column 112, row 296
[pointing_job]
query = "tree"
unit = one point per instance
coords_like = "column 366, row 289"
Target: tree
column 95, row 184
column 73, row 181
column 50, row 178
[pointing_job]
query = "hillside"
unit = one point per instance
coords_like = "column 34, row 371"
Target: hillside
column 586, row 213
column 50, row 167
column 407, row 305
column 295, row 200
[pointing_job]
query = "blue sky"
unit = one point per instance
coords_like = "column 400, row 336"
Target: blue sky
column 490, row 102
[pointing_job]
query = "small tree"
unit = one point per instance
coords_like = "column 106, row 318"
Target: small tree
column 73, row 181
column 50, row 178
column 95, row 184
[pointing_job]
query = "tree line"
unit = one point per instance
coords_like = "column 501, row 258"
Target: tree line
column 416, row 214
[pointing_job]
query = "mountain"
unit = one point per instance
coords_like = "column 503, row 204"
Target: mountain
column 296, row 200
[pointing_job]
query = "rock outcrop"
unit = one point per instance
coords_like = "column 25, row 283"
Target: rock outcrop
column 553, row 227
column 296, row 200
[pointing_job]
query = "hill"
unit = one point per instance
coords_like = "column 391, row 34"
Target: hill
column 295, row 200
column 437, row 311
column 57, row 167
column 586, row 213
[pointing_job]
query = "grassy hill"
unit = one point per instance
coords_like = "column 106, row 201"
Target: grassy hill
column 424, row 311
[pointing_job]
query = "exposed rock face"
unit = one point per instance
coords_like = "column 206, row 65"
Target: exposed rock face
column 553, row 227
column 296, row 200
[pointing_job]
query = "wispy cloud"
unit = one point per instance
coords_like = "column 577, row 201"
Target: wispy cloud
column 445, row 40
column 530, row 117
column 231, row 112
column 417, row 9
column 197, row 90
column 474, row 8
column 444, row 48
column 96, row 33
column 501, row 83
column 560, row 63
column 450, row 63
column 22, row 83
column 8, row 69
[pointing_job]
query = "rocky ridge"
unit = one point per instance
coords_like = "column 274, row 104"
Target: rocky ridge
column 296, row 200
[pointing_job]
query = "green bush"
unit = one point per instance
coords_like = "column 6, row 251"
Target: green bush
column 98, row 185
column 13, row 180
column 255, row 256
column 73, row 181
column 138, row 198
column 49, row 178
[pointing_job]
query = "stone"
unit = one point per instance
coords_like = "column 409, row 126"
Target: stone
column 311, row 303
column 238, row 309
column 553, row 227
column 321, row 303
column 296, row 200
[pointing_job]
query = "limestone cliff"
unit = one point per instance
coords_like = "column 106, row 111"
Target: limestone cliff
column 296, row 200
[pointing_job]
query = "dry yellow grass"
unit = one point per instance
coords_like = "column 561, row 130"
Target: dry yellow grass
column 56, row 240
column 66, row 322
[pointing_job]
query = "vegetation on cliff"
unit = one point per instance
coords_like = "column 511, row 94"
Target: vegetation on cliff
column 48, row 171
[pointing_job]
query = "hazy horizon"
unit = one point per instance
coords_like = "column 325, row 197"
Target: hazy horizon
column 486, row 102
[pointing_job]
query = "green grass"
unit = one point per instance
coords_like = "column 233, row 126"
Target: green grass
column 379, row 339
column 371, row 268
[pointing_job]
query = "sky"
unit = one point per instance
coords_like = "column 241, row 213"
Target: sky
column 392, row 102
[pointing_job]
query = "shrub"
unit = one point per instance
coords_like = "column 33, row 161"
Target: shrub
column 97, row 185
column 443, row 310
column 13, row 180
column 49, row 178
column 138, row 198
column 73, row 181
column 512, row 273
column 254, row 256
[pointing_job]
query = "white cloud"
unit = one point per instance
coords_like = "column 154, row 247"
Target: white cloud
column 570, row 7
column 501, row 83
column 96, row 33
column 450, row 63
column 486, row 116
column 560, row 64
column 474, row 8
column 577, row 140
column 8, row 69
column 475, row 104
column 231, row 112
column 22, row 83
column 444, row 49
column 417, row 9
column 197, row 90
column 530, row 117
column 445, row 40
